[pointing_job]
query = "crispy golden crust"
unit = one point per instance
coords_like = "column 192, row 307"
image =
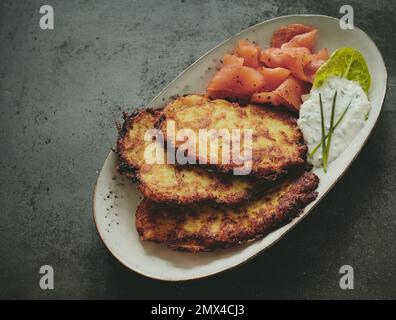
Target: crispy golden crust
column 168, row 183
column 130, row 142
column 278, row 144
column 206, row 228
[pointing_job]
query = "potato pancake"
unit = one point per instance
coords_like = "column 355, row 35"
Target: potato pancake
column 170, row 183
column 206, row 228
column 277, row 143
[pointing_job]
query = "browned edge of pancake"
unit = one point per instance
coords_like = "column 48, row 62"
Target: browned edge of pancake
column 124, row 167
column 301, row 193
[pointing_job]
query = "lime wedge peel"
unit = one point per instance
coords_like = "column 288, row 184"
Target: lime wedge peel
column 348, row 63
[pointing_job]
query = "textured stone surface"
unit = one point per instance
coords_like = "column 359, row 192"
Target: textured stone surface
column 62, row 90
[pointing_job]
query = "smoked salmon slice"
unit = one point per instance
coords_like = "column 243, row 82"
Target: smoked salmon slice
column 286, row 33
column 317, row 60
column 235, row 81
column 287, row 94
column 288, row 58
column 267, row 97
column 321, row 55
column 249, row 52
column 305, row 40
column 291, row 91
column 273, row 77
column 302, row 64
column 230, row 59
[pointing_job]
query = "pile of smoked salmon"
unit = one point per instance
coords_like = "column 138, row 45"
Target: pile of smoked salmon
column 278, row 75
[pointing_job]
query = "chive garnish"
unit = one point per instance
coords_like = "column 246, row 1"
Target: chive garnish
column 323, row 132
column 331, row 129
column 335, row 127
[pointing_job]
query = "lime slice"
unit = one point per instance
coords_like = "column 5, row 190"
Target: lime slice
column 348, row 63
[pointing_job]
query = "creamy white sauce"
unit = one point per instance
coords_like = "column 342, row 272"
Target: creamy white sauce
column 354, row 119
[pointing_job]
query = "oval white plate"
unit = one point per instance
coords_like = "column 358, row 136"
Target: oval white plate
column 115, row 216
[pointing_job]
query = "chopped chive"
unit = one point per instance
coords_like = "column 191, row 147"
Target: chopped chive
column 335, row 127
column 323, row 132
column 331, row 129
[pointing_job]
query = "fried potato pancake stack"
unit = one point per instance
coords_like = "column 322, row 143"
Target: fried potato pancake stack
column 204, row 206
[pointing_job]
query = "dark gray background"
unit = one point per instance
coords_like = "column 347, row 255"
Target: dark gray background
column 60, row 94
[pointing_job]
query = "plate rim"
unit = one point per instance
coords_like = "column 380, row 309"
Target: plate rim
column 224, row 269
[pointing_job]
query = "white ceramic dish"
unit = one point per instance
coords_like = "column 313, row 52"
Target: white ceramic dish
column 114, row 216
